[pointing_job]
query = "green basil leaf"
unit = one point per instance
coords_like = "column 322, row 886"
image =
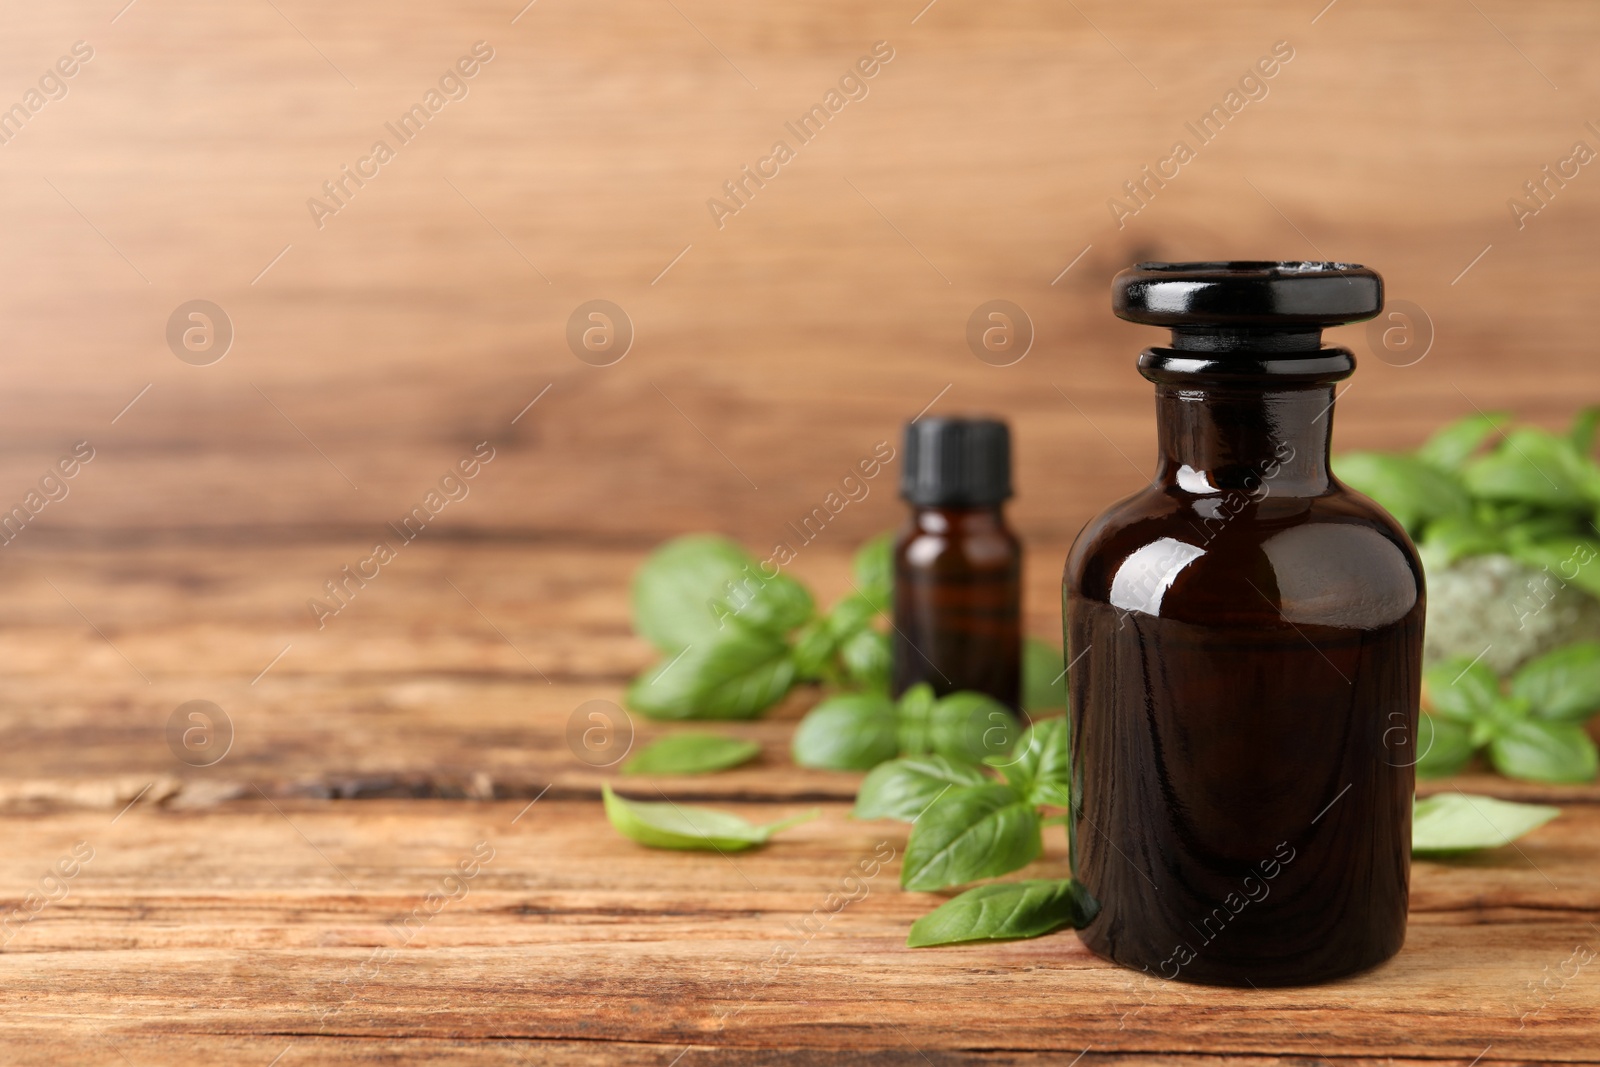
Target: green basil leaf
column 916, row 720
column 851, row 614
column 1563, row 685
column 1452, row 537
column 682, row 826
column 851, row 732
column 1452, row 445
column 814, row 647
column 874, row 569
column 865, row 655
column 1460, row 689
column 692, row 589
column 1044, row 679
column 1535, row 467
column 1457, row 822
column 972, row 727
column 1544, row 752
column 1569, row 559
column 1443, row 745
column 972, row 832
column 691, row 754
column 1581, row 434
column 903, row 788
column 1412, row 491
column 1039, row 764
column 735, row 678
column 1004, row 912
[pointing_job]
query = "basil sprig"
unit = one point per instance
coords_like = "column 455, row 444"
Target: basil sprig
column 1532, row 495
column 858, row 731
column 736, row 635
column 1533, row 728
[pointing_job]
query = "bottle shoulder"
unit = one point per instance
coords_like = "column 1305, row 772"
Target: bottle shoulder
column 955, row 550
column 1335, row 559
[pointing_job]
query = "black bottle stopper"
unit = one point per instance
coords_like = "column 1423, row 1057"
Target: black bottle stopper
column 1262, row 317
column 956, row 462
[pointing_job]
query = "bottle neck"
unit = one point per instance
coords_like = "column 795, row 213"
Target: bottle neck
column 1219, row 438
column 957, row 521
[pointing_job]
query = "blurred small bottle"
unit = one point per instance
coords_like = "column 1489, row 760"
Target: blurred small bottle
column 957, row 566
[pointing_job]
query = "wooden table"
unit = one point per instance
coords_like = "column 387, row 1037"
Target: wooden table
column 258, row 908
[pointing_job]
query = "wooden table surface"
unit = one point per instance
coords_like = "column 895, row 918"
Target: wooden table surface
column 256, row 911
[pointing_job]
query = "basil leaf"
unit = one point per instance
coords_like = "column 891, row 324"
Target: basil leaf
column 874, row 569
column 1451, row 445
column 1038, row 766
column 1460, row 689
column 1444, row 746
column 865, row 655
column 735, row 678
column 1544, row 752
column 1452, row 537
column 916, row 720
column 814, row 648
column 1044, row 680
column 1006, row 911
column 903, row 788
column 1536, row 467
column 681, row 826
column 972, row 726
column 1569, row 559
column 691, row 754
column 691, row 589
column 1412, row 491
column 972, row 832
column 1563, row 685
column 851, row 614
column 1457, row 822
column 1581, row 434
column 852, row 732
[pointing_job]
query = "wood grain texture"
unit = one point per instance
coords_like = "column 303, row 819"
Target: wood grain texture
column 261, row 922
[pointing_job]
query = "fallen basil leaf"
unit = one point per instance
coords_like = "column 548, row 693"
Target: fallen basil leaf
column 681, row 826
column 903, row 788
column 1443, row 746
column 1460, row 689
column 1544, row 752
column 737, row 677
column 852, row 732
column 1044, row 680
column 1563, row 685
column 1453, row 444
column 971, row 726
column 1006, row 911
column 1412, row 491
column 1457, row 822
column 691, row 754
column 972, row 832
column 692, row 589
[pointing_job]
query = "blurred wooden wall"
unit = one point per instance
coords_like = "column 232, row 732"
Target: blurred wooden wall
column 777, row 349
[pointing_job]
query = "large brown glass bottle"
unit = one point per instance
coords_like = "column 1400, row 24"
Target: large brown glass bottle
column 1248, row 638
column 957, row 565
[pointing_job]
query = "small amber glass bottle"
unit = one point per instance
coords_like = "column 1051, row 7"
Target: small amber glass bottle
column 1249, row 634
column 957, row 566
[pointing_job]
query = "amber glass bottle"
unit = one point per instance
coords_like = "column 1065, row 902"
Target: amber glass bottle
column 1250, row 632
column 957, row 566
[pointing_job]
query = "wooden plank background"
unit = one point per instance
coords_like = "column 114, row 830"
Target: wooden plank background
column 227, row 909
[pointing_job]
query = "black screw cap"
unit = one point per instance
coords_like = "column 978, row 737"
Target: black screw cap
column 956, row 462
